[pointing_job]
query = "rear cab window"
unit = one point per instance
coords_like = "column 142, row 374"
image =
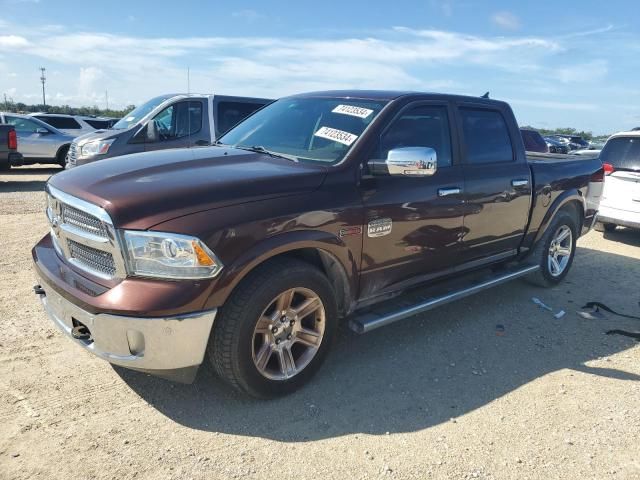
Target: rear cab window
column 486, row 136
column 623, row 153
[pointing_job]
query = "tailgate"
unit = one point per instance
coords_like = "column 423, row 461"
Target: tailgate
column 622, row 191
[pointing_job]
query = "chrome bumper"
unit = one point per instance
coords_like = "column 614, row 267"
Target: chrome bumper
column 148, row 344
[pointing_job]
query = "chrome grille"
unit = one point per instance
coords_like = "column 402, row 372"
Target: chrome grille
column 92, row 258
column 84, row 221
column 84, row 235
column 72, row 155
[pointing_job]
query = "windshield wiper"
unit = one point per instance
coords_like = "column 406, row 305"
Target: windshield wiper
column 261, row 149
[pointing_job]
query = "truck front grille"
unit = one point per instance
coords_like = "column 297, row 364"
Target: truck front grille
column 84, row 221
column 72, row 155
column 94, row 259
column 83, row 234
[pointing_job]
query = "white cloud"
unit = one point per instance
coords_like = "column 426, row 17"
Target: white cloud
column 445, row 6
column 248, row 15
column 506, row 20
column 9, row 42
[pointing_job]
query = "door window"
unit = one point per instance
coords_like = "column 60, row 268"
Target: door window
column 179, row 120
column 423, row 126
column 486, row 136
column 23, row 125
column 232, row 113
column 67, row 123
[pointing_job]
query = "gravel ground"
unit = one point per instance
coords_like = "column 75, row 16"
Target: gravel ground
column 438, row 396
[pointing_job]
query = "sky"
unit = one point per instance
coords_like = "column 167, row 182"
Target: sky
column 559, row 63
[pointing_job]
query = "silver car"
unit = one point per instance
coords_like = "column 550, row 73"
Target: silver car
column 37, row 141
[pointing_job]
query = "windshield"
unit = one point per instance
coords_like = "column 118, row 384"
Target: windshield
column 317, row 129
column 140, row 112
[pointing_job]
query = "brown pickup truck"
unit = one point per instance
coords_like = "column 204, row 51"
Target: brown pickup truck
column 317, row 208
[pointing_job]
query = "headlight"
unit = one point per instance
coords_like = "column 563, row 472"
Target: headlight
column 97, row 147
column 169, row 255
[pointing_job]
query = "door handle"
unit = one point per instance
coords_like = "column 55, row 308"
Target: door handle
column 445, row 192
column 520, row 182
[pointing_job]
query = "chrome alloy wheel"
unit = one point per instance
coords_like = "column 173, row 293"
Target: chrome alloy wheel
column 560, row 251
column 288, row 334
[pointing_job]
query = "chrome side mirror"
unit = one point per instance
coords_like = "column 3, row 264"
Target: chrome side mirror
column 408, row 162
column 42, row 131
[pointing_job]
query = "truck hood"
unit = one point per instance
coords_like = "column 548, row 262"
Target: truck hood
column 144, row 189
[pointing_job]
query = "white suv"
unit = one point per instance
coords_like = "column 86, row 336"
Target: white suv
column 620, row 202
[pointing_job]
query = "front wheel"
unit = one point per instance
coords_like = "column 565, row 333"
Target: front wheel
column 555, row 250
column 275, row 330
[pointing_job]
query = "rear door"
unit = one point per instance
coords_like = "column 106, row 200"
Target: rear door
column 413, row 225
column 497, row 185
column 622, row 186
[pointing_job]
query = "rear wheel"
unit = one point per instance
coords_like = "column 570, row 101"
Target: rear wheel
column 555, row 250
column 605, row 227
column 274, row 332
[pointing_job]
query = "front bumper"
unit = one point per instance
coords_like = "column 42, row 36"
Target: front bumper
column 623, row 218
column 170, row 347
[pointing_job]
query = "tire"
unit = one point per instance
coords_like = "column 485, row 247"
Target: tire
column 237, row 346
column 604, row 227
column 61, row 157
column 548, row 275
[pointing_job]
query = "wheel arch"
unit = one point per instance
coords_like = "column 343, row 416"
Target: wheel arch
column 322, row 250
column 571, row 200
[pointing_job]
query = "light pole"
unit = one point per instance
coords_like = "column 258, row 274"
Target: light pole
column 43, row 79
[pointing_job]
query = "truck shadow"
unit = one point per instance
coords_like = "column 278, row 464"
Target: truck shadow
column 26, row 179
column 430, row 369
column 628, row 236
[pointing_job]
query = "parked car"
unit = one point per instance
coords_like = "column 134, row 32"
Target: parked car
column 168, row 121
column 593, row 152
column 9, row 155
column 319, row 207
column 621, row 197
column 533, row 141
column 574, row 141
column 556, row 146
column 39, row 142
column 75, row 125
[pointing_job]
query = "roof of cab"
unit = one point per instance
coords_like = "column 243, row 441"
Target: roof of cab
column 388, row 95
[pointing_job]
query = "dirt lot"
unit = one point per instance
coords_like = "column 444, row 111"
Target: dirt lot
column 439, row 396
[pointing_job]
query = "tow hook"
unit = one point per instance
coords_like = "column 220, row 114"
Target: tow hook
column 38, row 290
column 80, row 332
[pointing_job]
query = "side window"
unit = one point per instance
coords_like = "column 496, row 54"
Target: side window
column 424, row 126
column 232, row 113
column 61, row 122
column 486, row 136
column 179, row 120
column 22, row 125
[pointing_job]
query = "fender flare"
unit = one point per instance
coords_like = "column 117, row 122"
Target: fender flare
column 564, row 199
column 331, row 248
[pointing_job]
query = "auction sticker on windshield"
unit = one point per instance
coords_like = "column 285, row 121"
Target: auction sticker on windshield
column 353, row 111
column 336, row 135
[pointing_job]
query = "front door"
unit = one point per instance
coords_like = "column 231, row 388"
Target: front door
column 177, row 126
column 413, row 225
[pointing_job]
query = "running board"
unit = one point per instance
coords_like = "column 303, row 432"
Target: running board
column 371, row 320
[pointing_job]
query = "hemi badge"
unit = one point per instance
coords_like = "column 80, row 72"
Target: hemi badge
column 349, row 231
column 379, row 227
